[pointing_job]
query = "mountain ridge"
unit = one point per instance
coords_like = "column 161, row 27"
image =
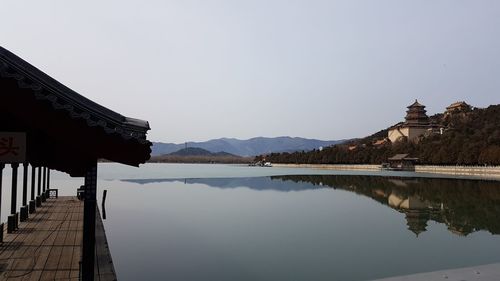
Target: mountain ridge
column 249, row 147
column 196, row 151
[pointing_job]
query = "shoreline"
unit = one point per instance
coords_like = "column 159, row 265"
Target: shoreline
column 488, row 172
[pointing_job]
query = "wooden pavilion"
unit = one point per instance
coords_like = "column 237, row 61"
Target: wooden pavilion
column 45, row 125
column 402, row 162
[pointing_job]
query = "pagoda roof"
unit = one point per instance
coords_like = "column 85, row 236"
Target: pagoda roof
column 416, row 104
column 457, row 104
column 74, row 129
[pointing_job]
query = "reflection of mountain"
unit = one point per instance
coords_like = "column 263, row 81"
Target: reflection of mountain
column 464, row 206
column 256, row 183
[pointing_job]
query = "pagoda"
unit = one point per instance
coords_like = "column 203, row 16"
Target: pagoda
column 416, row 124
column 416, row 115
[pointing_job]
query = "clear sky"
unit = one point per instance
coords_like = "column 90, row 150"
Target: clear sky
column 206, row 69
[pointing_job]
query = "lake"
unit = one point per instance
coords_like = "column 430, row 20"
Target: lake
column 224, row 222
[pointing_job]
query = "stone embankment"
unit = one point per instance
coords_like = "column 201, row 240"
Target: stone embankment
column 331, row 166
column 480, row 171
column 490, row 171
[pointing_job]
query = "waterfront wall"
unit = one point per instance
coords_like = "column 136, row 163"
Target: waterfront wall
column 490, row 171
column 486, row 171
column 359, row 167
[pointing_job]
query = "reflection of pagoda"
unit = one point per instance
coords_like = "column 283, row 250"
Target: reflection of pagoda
column 417, row 123
column 417, row 211
column 417, row 220
column 422, row 200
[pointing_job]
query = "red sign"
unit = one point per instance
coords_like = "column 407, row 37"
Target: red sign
column 12, row 147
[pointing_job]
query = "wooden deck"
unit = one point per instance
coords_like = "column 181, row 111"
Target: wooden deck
column 48, row 245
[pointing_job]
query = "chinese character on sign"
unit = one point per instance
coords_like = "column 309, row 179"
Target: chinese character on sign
column 12, row 147
column 7, row 146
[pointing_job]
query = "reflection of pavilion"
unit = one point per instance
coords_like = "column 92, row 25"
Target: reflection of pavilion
column 460, row 228
column 417, row 211
column 464, row 206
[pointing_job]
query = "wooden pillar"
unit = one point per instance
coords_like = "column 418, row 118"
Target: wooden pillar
column 13, row 197
column 32, row 206
column 89, row 214
column 24, row 210
column 12, row 220
column 25, row 184
column 44, row 178
column 39, row 180
column 1, row 178
column 48, row 178
column 33, row 178
column 38, row 202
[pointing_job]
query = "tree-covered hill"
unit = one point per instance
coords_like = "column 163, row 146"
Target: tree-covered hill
column 199, row 155
column 471, row 138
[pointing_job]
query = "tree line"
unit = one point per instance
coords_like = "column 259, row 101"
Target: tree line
column 471, row 138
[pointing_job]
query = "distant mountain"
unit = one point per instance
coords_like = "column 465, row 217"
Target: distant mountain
column 250, row 147
column 200, row 155
column 196, row 151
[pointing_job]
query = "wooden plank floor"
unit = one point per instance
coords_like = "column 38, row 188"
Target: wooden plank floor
column 47, row 246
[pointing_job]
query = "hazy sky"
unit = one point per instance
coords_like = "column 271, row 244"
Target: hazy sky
column 205, row 69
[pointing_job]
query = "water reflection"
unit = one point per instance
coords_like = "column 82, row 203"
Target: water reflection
column 464, row 206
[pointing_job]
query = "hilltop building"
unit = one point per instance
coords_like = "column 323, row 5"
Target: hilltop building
column 457, row 107
column 416, row 124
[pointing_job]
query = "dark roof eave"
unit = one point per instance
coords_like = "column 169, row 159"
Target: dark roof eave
column 111, row 121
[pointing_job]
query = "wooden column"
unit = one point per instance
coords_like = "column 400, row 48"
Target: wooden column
column 1, row 178
column 32, row 206
column 13, row 197
column 25, row 184
column 48, row 178
column 12, row 220
column 44, row 178
column 38, row 200
column 39, row 180
column 33, row 179
column 89, row 214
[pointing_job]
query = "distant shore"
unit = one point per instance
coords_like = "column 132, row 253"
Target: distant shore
column 477, row 171
column 200, row 159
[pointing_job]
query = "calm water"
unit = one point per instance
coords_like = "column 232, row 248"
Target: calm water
column 216, row 222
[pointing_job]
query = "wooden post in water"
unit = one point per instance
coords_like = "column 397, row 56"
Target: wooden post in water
column 104, row 192
column 89, row 215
